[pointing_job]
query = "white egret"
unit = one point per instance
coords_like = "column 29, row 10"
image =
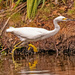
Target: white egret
column 27, row 34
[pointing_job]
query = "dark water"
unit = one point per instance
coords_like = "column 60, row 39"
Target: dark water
column 40, row 64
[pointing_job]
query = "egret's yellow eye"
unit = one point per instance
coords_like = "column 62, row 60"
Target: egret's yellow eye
column 64, row 18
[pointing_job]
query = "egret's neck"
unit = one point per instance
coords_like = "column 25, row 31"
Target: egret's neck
column 57, row 27
column 52, row 32
column 56, row 24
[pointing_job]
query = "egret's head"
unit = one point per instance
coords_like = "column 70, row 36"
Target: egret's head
column 62, row 18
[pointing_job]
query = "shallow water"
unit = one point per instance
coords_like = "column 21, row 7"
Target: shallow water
column 40, row 64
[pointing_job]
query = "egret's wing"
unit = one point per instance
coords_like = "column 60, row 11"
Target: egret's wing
column 30, row 32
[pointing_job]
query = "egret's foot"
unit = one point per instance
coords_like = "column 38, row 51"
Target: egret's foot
column 34, row 48
column 33, row 66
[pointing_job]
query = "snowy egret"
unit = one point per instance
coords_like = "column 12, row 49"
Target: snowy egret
column 27, row 34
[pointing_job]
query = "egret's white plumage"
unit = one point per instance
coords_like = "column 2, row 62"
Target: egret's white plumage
column 33, row 34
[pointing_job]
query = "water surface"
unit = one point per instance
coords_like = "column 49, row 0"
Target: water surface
column 39, row 64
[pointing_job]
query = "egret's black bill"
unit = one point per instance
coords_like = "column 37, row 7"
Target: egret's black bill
column 70, row 20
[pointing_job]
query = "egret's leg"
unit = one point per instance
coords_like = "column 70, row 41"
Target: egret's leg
column 15, row 47
column 14, row 50
column 14, row 62
column 18, row 44
column 34, row 48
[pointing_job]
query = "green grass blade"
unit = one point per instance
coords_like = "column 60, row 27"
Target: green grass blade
column 17, row 3
column 29, row 7
column 6, row 3
column 0, row 1
column 64, row 1
column 74, row 3
column 43, row 3
column 34, row 8
column 39, row 1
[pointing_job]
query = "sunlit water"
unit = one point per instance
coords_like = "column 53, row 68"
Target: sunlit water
column 40, row 64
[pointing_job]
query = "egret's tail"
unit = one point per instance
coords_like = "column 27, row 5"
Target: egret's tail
column 10, row 29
